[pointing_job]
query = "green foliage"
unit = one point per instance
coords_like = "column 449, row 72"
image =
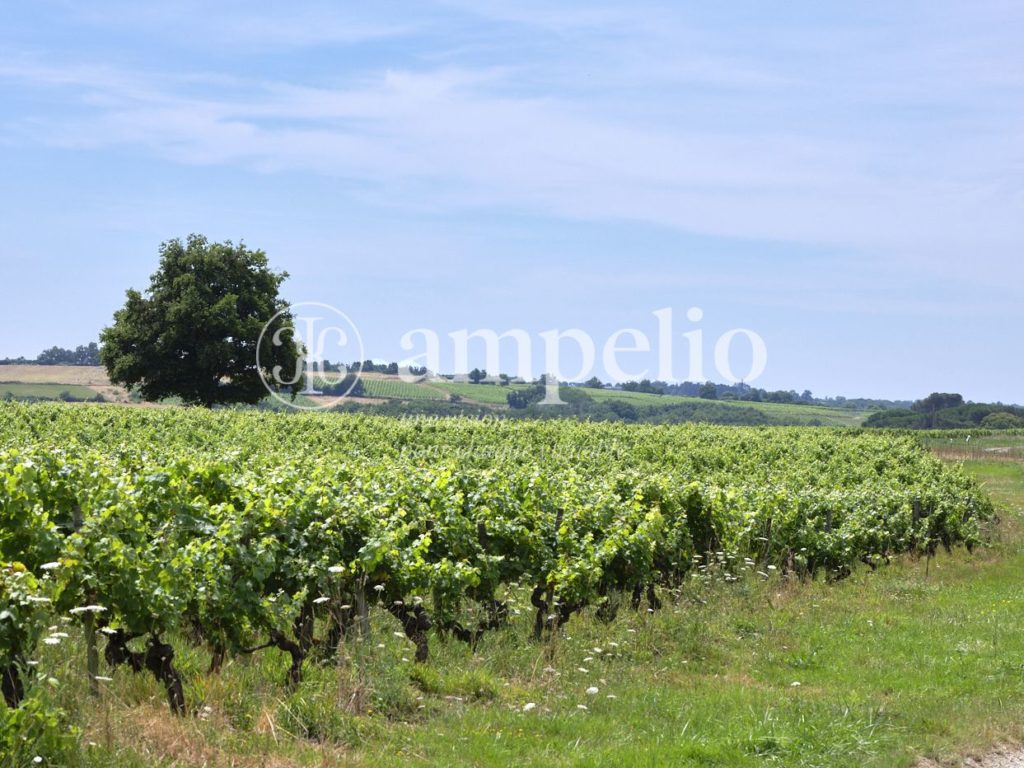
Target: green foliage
column 350, row 384
column 519, row 399
column 970, row 416
column 937, row 401
column 81, row 355
column 1002, row 420
column 36, row 734
column 194, row 333
column 641, row 386
column 22, row 623
column 708, row 391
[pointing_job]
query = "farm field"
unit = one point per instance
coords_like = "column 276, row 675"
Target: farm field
column 84, row 375
column 46, row 391
column 738, row 657
column 488, row 394
column 53, row 379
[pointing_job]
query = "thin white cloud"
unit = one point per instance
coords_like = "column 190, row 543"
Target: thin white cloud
column 446, row 135
column 745, row 146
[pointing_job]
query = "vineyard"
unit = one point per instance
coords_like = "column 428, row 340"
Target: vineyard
column 141, row 529
column 248, row 531
column 397, row 389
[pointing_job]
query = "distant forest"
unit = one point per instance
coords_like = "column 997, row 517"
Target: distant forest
column 949, row 411
column 84, row 354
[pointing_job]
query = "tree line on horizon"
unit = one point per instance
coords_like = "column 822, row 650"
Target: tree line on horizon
column 83, row 354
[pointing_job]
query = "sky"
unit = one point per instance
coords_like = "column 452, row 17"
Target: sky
column 844, row 180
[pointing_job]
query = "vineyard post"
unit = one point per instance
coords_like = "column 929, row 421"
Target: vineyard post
column 92, row 655
column 363, row 609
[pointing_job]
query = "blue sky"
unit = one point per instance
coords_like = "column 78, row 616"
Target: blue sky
column 846, row 179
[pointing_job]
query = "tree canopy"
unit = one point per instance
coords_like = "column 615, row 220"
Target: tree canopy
column 194, row 333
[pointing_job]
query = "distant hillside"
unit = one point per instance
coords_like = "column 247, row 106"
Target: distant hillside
column 388, row 394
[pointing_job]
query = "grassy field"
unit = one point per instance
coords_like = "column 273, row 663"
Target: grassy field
column 46, row 391
column 918, row 658
column 488, row 394
column 93, row 378
column 988, row 448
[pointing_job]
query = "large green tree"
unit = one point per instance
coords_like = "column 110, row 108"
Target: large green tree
column 194, row 333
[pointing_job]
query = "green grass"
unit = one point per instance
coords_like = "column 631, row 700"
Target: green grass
column 916, row 658
column 489, row 394
column 20, row 391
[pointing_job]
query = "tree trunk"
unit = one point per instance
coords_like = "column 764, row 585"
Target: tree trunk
column 12, row 686
column 92, row 654
column 159, row 658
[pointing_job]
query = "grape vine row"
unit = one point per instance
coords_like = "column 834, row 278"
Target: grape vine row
column 248, row 530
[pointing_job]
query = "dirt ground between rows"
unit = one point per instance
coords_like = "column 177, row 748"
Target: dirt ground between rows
column 1002, row 757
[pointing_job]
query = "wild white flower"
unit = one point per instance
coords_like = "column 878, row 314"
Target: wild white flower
column 103, row 679
column 321, row 600
column 346, row 607
column 379, row 588
column 37, row 599
column 592, row 690
column 582, row 706
column 529, row 706
column 611, row 696
column 336, row 569
column 598, row 651
column 52, row 640
column 399, row 634
column 795, row 684
column 584, row 670
column 49, row 566
column 87, row 609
